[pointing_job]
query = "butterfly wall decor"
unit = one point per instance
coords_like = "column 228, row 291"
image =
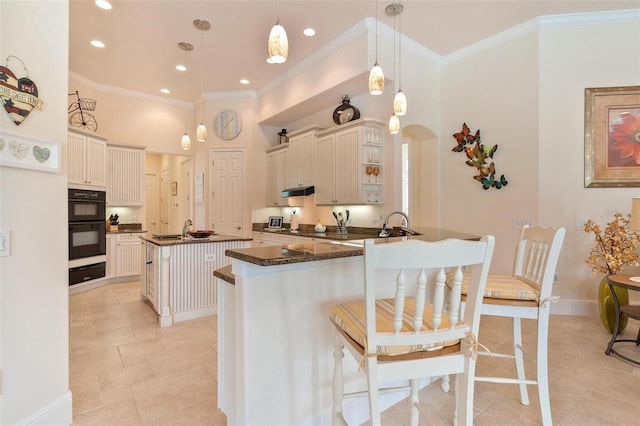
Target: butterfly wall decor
column 477, row 155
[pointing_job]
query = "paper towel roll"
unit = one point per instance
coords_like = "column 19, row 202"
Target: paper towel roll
column 295, row 221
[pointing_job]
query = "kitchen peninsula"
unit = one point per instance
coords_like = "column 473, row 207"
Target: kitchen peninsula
column 275, row 340
column 177, row 277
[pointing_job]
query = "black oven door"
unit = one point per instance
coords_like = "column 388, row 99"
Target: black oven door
column 87, row 239
column 86, row 211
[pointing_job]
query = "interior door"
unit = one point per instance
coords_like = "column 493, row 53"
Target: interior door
column 185, row 195
column 165, row 201
column 152, row 202
column 226, row 183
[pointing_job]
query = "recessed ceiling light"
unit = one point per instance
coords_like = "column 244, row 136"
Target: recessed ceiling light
column 165, row 91
column 309, row 32
column 181, row 68
column 103, row 4
column 97, row 43
column 244, row 81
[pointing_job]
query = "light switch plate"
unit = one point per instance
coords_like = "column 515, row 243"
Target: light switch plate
column 5, row 243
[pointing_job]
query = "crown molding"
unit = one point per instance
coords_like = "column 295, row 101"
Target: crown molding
column 237, row 94
column 126, row 92
column 547, row 21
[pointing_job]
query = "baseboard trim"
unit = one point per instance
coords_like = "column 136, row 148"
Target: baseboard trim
column 58, row 412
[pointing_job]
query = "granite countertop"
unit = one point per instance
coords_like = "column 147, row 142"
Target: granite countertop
column 216, row 238
column 309, row 252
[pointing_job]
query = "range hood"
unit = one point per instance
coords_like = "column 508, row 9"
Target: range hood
column 298, row 191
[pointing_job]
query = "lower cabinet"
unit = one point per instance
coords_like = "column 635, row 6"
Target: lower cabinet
column 261, row 239
column 124, row 255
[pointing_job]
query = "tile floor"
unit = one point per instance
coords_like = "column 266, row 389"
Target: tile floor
column 125, row 370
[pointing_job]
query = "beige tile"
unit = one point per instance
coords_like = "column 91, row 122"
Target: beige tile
column 101, row 339
column 165, row 395
column 134, row 353
column 83, row 402
column 198, row 414
column 94, row 362
column 115, row 394
column 181, row 358
column 121, row 413
column 128, row 375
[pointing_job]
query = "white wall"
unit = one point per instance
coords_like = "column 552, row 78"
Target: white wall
column 33, row 206
column 573, row 58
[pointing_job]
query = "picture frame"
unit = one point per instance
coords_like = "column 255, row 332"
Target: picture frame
column 612, row 137
column 26, row 152
column 174, row 188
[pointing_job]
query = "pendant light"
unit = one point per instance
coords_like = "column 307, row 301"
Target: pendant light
column 278, row 45
column 400, row 101
column 376, row 76
column 185, row 142
column 202, row 25
column 394, row 124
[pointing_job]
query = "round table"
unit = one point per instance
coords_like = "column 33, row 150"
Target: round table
column 628, row 282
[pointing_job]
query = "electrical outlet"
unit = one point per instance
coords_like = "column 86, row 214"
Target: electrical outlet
column 556, row 278
column 211, row 257
column 520, row 223
column 580, row 224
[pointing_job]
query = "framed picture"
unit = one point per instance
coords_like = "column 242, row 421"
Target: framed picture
column 612, row 137
column 174, row 188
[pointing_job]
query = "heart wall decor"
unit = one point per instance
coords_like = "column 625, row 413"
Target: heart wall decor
column 19, row 96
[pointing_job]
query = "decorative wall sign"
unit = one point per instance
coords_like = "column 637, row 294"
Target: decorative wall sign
column 19, row 96
column 477, row 155
column 28, row 153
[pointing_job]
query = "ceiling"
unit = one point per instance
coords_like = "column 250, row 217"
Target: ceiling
column 142, row 36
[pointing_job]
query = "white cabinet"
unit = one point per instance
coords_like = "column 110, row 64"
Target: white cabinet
column 301, row 157
column 110, row 258
column 341, row 160
column 277, row 177
column 86, row 160
column 125, row 176
column 262, row 239
column 128, row 255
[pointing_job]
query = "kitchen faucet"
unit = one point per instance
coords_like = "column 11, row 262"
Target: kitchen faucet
column 185, row 228
column 385, row 232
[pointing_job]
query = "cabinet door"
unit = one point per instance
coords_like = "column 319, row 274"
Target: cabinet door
column 325, row 170
column 128, row 255
column 347, row 158
column 307, row 156
column 76, row 154
column 125, row 177
column 301, row 164
column 111, row 258
column 276, row 177
column 96, row 162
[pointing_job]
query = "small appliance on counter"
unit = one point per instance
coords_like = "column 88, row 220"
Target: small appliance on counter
column 295, row 221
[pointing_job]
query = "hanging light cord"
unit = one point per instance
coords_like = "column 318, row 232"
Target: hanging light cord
column 376, row 31
column 201, row 61
column 399, row 51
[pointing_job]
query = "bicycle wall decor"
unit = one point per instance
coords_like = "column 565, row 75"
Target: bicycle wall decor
column 78, row 115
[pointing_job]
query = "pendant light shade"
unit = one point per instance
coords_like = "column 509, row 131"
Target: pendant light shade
column 376, row 80
column 278, row 45
column 202, row 25
column 394, row 124
column 201, row 133
column 376, row 76
column 185, row 142
column 400, row 103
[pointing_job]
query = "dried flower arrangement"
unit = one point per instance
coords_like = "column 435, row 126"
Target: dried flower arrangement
column 614, row 248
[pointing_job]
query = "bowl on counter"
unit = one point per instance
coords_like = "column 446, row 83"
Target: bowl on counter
column 201, row 234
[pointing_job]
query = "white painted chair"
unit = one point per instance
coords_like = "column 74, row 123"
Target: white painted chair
column 526, row 294
column 411, row 337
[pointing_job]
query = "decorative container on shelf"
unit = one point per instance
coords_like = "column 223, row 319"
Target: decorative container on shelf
column 606, row 305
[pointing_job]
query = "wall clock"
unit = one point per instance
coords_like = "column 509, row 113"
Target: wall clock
column 228, row 124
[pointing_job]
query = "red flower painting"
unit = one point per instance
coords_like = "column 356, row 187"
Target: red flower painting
column 624, row 139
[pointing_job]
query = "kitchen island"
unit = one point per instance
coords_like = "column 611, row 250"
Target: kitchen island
column 177, row 274
column 275, row 340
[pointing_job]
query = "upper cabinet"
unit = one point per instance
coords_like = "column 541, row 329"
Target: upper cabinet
column 86, row 160
column 301, row 157
column 125, row 177
column 349, row 164
column 277, row 177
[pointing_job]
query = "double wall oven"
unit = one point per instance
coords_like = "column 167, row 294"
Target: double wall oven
column 87, row 235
